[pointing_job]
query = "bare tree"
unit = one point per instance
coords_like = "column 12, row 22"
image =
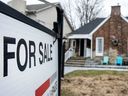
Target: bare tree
column 84, row 11
column 68, row 9
column 87, row 10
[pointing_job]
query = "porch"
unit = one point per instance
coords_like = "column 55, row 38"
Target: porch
column 81, row 45
column 84, row 45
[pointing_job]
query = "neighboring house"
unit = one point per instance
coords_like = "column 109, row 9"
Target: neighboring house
column 102, row 36
column 45, row 14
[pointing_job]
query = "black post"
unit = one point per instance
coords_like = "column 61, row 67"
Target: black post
column 60, row 51
column 63, row 58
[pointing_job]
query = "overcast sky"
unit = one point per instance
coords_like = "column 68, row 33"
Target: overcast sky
column 106, row 5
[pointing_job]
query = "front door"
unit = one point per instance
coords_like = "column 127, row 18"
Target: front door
column 82, row 47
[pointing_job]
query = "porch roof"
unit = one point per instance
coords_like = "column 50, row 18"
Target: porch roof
column 79, row 36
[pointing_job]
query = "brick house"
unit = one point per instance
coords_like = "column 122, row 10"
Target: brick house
column 102, row 36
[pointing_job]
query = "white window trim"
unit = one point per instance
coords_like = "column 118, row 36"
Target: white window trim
column 99, row 54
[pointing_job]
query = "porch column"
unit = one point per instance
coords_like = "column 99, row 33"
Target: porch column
column 79, row 46
column 91, row 48
column 85, row 46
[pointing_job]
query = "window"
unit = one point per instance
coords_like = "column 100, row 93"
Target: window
column 74, row 43
column 99, row 46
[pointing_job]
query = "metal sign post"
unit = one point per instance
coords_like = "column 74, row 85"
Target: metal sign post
column 60, row 51
column 58, row 28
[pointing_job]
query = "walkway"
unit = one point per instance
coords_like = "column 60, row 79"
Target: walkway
column 69, row 69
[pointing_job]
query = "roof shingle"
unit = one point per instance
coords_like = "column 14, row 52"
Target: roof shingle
column 89, row 27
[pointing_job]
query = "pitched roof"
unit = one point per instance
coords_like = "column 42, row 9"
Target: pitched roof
column 89, row 27
column 38, row 6
column 35, row 7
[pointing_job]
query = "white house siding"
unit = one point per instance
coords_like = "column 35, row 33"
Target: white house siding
column 48, row 16
column 19, row 5
column 66, row 28
column 45, row 16
column 88, row 52
column 32, row 17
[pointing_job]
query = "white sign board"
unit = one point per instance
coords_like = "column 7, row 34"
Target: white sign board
column 28, row 60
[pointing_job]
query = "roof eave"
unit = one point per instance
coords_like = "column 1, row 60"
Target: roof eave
column 124, row 18
column 79, row 36
column 45, row 8
column 94, row 30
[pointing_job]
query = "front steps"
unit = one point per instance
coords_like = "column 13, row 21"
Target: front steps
column 91, row 63
column 81, row 62
column 75, row 61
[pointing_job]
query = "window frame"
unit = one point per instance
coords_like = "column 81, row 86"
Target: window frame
column 97, row 52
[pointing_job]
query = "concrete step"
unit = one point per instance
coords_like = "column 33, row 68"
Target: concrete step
column 77, row 58
column 76, row 61
column 83, row 63
column 71, row 60
column 91, row 62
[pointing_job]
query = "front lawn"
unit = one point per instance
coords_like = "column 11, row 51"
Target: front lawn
column 95, row 83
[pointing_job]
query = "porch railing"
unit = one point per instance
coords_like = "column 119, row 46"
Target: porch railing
column 69, row 53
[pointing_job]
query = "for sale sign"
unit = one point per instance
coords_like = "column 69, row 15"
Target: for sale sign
column 28, row 58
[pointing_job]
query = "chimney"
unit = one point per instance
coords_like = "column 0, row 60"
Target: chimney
column 115, row 10
column 19, row 5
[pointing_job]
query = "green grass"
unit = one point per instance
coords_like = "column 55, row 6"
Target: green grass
column 94, row 73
